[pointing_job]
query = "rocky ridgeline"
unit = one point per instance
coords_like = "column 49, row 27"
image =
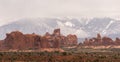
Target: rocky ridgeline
column 19, row 41
column 100, row 42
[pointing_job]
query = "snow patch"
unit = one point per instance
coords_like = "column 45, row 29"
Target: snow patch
column 81, row 33
column 60, row 23
column 109, row 24
column 69, row 24
column 104, row 31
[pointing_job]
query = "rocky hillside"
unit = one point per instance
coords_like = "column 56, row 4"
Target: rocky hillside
column 19, row 41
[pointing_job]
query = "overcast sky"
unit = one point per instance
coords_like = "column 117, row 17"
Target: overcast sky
column 16, row 9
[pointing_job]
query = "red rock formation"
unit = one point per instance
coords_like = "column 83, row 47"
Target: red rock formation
column 1, row 41
column 107, row 41
column 56, row 32
column 101, row 41
column 62, row 40
column 33, row 41
column 19, row 41
column 117, row 41
column 98, row 36
column 87, row 42
column 14, row 40
column 72, row 39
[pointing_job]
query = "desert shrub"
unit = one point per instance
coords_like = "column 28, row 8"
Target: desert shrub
column 102, row 57
column 64, row 53
column 96, row 60
column 57, row 52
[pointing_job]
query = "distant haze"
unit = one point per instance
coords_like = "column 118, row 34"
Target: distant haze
column 11, row 10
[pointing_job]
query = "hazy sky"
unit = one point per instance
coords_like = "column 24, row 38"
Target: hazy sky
column 16, row 9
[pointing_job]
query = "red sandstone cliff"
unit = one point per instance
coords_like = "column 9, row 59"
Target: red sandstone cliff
column 19, row 41
column 100, row 41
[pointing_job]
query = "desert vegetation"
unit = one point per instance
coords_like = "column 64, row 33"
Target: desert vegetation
column 59, row 56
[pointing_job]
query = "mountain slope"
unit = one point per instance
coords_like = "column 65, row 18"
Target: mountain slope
column 81, row 27
column 40, row 26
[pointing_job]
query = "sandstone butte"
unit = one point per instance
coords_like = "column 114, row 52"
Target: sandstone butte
column 100, row 42
column 19, row 41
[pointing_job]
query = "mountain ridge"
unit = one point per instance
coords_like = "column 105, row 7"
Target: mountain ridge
column 81, row 27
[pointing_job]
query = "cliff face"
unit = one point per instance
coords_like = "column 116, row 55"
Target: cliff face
column 100, row 41
column 20, row 41
column 71, row 39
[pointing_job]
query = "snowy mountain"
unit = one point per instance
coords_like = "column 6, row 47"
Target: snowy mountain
column 43, row 25
column 81, row 27
column 105, row 26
